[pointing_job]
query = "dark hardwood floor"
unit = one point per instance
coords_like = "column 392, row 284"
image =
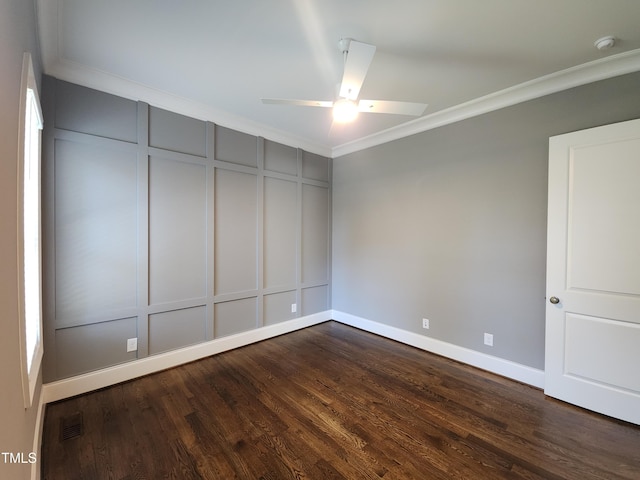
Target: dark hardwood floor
column 331, row 402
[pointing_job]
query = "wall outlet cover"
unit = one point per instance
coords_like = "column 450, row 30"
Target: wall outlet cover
column 294, row 307
column 132, row 344
column 425, row 323
column 488, row 339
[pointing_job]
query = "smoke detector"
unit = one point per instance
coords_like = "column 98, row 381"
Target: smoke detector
column 605, row 43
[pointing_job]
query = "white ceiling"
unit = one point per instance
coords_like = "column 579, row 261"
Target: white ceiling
column 215, row 59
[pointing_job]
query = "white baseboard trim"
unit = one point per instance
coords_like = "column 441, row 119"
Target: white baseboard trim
column 37, row 438
column 500, row 366
column 87, row 382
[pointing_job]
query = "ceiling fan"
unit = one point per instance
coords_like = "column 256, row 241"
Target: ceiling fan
column 357, row 59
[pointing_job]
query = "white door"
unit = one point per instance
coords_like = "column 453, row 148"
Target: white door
column 592, row 356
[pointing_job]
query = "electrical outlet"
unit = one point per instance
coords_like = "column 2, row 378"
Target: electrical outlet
column 132, row 344
column 488, row 339
column 294, row 308
column 425, row 323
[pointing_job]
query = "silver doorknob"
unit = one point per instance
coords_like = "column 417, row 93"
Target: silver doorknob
column 554, row 300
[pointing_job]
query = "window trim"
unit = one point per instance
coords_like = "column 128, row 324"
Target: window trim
column 28, row 99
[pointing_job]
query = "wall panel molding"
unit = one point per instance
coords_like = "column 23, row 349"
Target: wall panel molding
column 196, row 203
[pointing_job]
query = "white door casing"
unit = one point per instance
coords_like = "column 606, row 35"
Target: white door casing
column 592, row 352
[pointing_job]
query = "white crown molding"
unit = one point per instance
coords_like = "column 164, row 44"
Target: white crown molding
column 600, row 69
column 55, row 65
column 48, row 28
column 122, row 87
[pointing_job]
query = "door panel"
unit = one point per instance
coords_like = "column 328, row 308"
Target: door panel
column 587, row 335
column 592, row 356
column 604, row 180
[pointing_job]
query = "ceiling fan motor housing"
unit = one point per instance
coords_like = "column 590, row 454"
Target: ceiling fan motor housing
column 343, row 44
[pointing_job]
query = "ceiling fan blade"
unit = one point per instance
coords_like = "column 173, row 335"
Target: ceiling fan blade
column 297, row 103
column 387, row 106
column 359, row 58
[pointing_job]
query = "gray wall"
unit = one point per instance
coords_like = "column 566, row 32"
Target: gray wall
column 172, row 230
column 17, row 35
column 450, row 224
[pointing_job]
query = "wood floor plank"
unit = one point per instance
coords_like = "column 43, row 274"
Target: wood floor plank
column 333, row 402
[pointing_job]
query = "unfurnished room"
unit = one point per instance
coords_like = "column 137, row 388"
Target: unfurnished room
column 320, row 239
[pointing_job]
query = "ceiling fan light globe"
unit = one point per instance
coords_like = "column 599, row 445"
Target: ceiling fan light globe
column 345, row 111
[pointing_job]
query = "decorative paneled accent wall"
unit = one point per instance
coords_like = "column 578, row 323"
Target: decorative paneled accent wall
column 171, row 230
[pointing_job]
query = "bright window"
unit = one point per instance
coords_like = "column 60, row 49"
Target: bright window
column 29, row 229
